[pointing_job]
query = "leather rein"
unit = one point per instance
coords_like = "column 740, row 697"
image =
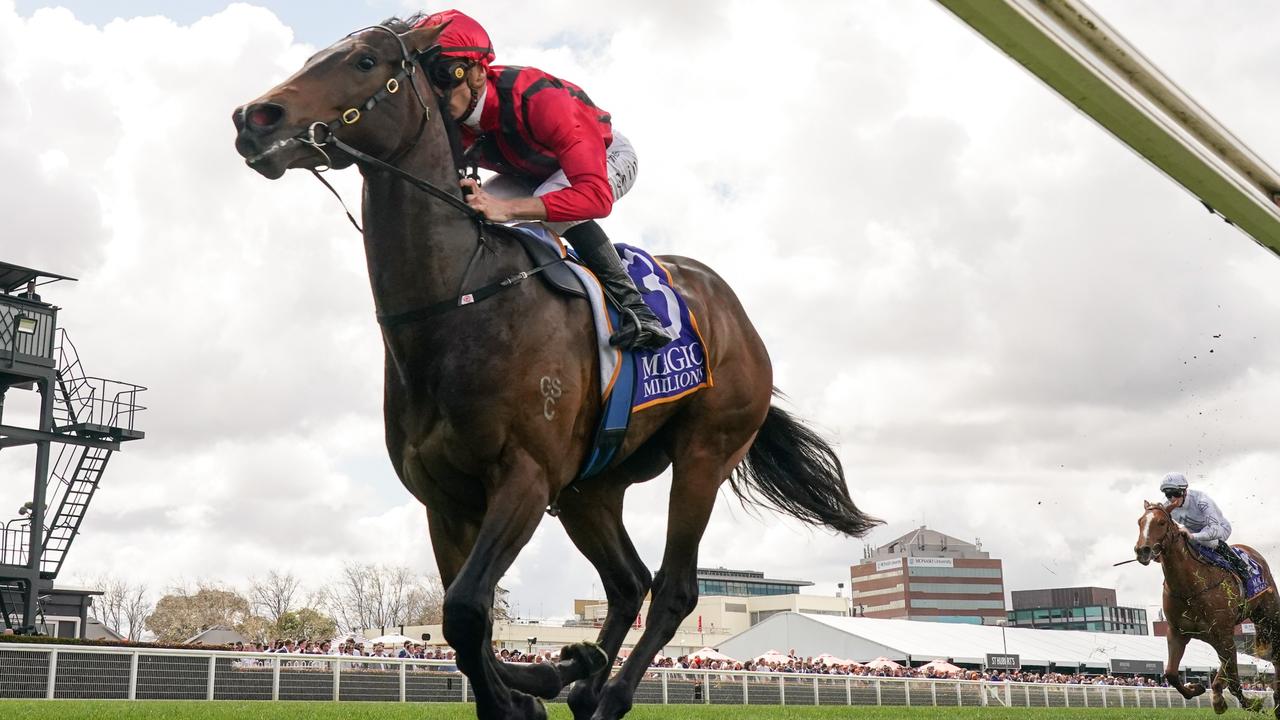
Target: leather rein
column 320, row 135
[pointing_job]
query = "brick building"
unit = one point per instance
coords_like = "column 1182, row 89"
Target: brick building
column 928, row 575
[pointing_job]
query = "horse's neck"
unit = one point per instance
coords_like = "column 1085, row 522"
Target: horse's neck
column 417, row 247
column 1180, row 567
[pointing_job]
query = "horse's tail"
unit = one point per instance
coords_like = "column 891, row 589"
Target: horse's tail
column 791, row 468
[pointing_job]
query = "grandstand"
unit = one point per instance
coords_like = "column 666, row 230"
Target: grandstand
column 862, row 639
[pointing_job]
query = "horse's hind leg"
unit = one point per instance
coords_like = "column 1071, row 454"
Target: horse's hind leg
column 1228, row 674
column 694, row 485
column 514, row 508
column 593, row 518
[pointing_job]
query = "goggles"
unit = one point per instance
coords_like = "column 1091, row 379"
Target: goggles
column 1173, row 493
column 448, row 73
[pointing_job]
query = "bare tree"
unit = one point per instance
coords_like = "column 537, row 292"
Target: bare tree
column 275, row 595
column 375, row 596
column 122, row 606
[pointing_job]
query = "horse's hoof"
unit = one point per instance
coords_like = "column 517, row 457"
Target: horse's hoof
column 580, row 661
column 1196, row 689
column 1219, row 704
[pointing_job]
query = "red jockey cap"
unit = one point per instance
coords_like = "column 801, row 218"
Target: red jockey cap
column 463, row 38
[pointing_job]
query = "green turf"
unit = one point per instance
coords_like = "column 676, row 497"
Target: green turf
column 111, row 709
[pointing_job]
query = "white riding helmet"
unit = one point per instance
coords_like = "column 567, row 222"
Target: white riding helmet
column 1173, row 481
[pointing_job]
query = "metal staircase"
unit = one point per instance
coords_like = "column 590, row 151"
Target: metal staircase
column 85, row 407
column 75, row 492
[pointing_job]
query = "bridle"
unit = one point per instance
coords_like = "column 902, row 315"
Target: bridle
column 320, row 135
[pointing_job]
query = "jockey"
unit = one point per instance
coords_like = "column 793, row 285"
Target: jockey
column 557, row 157
column 1199, row 515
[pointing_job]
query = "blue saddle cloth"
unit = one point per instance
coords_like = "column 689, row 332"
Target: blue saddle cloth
column 638, row 379
column 1254, row 585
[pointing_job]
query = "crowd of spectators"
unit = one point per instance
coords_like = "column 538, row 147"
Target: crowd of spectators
column 349, row 647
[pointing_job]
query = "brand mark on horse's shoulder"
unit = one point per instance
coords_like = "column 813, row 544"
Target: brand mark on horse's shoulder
column 551, row 391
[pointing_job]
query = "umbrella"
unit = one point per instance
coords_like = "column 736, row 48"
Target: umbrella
column 883, row 663
column 829, row 659
column 941, row 667
column 773, row 656
column 393, row 639
column 707, row 653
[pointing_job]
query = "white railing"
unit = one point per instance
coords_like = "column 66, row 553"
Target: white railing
column 65, row 671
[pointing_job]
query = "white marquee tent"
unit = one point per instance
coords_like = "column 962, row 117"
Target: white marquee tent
column 862, row 639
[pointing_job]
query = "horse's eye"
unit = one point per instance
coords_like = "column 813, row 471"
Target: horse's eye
column 366, row 63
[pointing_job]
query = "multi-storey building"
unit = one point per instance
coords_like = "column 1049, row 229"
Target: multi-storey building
column 928, row 575
column 1080, row 608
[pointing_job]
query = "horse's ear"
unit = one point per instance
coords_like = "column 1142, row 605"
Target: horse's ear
column 420, row 38
column 1146, row 505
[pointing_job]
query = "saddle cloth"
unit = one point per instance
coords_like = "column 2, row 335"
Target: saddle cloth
column 637, row 379
column 1254, row 585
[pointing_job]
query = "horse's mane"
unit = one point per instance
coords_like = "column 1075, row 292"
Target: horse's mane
column 403, row 25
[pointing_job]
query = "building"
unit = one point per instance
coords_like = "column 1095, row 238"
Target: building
column 928, row 575
column 1093, row 609
column 744, row 583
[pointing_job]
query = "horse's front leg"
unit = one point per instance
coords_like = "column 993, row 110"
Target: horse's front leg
column 1177, row 643
column 517, row 496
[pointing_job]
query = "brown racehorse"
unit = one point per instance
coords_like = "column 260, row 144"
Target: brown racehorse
column 465, row 387
column 1205, row 602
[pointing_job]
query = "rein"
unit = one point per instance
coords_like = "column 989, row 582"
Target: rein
column 321, row 134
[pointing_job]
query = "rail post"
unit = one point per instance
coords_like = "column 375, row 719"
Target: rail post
column 848, row 690
column 906, row 691
column 746, row 689
column 403, row 670
column 133, row 675
column 933, row 692
column 782, row 691
column 213, row 669
column 275, row 678
column 665, row 699
column 816, row 696
column 52, row 683
column 337, row 679
column 706, row 688
column 879, row 700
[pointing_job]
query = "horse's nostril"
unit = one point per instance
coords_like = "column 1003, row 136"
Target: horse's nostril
column 263, row 116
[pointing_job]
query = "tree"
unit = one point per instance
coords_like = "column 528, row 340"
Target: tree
column 179, row 615
column 274, row 596
column 376, row 596
column 123, row 606
column 306, row 624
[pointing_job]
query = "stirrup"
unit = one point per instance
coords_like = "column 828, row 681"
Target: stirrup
column 633, row 334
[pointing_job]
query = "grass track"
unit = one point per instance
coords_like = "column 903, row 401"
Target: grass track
column 113, row 709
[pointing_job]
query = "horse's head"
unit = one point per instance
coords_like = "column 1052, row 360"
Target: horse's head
column 1156, row 529
column 361, row 89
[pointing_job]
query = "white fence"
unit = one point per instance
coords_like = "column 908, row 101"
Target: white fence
column 49, row 671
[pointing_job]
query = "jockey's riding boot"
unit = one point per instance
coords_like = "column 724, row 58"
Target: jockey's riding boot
column 640, row 327
column 1237, row 565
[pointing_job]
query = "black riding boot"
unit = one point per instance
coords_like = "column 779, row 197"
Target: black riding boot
column 640, row 327
column 1238, row 565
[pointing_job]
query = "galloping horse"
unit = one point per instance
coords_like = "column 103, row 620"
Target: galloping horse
column 464, row 403
column 1205, row 602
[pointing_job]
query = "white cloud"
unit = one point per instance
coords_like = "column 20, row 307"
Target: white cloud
column 1004, row 317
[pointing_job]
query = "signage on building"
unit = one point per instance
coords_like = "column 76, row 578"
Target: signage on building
column 882, row 565
column 1004, row 662
column 1137, row 667
column 930, row 562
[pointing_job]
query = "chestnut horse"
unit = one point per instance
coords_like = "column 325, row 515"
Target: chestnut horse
column 465, row 385
column 1205, row 602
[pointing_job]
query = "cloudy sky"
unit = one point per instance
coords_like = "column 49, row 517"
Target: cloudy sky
column 1005, row 320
